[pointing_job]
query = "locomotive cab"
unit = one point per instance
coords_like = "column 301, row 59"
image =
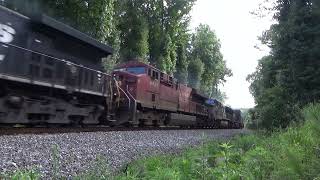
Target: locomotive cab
column 127, row 77
column 135, row 78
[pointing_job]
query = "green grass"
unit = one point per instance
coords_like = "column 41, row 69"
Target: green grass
column 22, row 175
column 293, row 153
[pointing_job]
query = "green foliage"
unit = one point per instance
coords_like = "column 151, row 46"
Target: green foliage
column 251, row 119
column 205, row 46
column 168, row 30
column 25, row 175
column 134, row 29
column 276, row 110
column 290, row 154
column 182, row 64
column 168, row 58
column 288, row 78
column 218, row 94
column 154, row 31
column 55, row 162
column 195, row 69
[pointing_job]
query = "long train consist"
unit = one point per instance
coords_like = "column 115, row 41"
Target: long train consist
column 51, row 73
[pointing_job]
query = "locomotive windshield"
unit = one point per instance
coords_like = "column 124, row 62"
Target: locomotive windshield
column 136, row 70
column 133, row 70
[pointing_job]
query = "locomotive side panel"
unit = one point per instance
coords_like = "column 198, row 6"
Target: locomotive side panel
column 147, row 93
column 238, row 121
column 168, row 97
column 49, row 75
column 43, row 53
column 184, row 98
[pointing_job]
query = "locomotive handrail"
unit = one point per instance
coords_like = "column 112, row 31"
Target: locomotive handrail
column 130, row 94
column 122, row 91
column 135, row 104
column 58, row 59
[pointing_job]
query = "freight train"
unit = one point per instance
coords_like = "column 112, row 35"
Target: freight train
column 52, row 74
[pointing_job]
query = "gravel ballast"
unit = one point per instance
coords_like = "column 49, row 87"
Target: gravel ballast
column 76, row 153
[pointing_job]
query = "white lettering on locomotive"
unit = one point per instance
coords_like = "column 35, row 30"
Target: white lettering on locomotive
column 6, row 33
column 6, row 36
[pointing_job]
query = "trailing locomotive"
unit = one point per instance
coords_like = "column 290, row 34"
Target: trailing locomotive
column 149, row 97
column 51, row 73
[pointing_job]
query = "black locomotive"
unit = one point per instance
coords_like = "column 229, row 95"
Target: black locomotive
column 49, row 72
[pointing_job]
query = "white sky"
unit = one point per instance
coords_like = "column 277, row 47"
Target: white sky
column 237, row 30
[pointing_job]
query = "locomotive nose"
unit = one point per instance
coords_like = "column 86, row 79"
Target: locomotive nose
column 131, row 84
column 127, row 81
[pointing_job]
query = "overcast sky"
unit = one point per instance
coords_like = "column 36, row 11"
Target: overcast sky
column 237, row 30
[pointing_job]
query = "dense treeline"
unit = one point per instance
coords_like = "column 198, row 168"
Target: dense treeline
column 289, row 77
column 154, row 31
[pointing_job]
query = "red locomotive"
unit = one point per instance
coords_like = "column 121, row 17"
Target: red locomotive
column 154, row 98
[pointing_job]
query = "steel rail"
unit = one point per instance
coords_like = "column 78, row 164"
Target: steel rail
column 66, row 130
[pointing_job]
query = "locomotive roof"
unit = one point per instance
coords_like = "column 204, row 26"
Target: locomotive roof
column 136, row 63
column 59, row 26
column 52, row 23
column 139, row 63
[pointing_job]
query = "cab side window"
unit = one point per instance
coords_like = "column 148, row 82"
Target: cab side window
column 161, row 76
column 155, row 75
column 149, row 72
column 171, row 81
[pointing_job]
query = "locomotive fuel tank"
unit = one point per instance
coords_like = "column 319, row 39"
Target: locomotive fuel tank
column 182, row 120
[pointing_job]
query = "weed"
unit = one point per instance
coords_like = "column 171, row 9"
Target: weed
column 22, row 175
column 55, row 161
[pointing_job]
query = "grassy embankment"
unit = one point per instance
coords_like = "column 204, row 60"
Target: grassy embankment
column 289, row 154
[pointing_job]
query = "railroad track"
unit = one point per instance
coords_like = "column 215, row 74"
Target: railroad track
column 59, row 130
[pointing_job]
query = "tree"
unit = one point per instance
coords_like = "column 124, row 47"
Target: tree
column 168, row 26
column 206, row 47
column 264, row 77
column 134, row 30
column 182, row 64
column 195, row 69
column 288, row 78
column 218, row 95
